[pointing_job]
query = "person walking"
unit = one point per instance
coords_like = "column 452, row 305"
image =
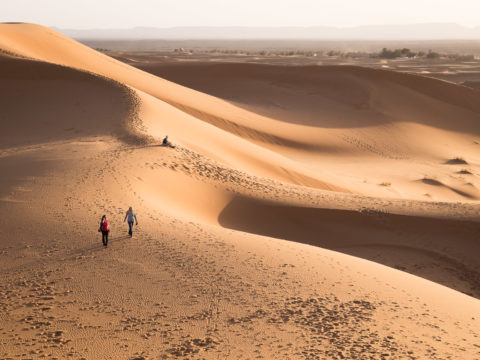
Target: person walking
column 130, row 216
column 104, row 229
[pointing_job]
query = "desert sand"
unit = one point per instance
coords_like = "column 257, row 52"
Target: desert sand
column 306, row 212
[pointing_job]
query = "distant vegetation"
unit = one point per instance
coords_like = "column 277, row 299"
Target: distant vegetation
column 385, row 53
column 432, row 55
column 393, row 54
column 407, row 53
column 267, row 52
column 461, row 57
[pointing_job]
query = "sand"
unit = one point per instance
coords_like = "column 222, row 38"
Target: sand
column 305, row 212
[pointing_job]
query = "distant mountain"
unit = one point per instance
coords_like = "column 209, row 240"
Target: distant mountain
column 442, row 31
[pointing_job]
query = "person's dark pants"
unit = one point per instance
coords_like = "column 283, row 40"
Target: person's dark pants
column 105, row 237
column 130, row 228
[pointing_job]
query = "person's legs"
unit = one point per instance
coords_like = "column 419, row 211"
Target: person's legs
column 106, row 237
column 103, row 238
column 130, row 228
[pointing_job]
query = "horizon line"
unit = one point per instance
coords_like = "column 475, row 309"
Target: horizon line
column 254, row 26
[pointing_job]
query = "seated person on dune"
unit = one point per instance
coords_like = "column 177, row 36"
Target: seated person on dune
column 165, row 142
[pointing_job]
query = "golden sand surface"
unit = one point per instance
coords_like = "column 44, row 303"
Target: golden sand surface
column 306, row 212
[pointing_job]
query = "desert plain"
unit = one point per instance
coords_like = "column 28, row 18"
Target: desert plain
column 311, row 209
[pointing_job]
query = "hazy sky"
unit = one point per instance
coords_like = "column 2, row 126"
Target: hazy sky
column 83, row 14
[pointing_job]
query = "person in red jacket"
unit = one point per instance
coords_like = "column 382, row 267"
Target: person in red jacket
column 105, row 229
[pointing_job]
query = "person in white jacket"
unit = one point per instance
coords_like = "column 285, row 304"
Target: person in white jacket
column 130, row 216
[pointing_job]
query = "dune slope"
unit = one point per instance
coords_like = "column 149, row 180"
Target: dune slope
column 400, row 112
column 29, row 98
column 405, row 127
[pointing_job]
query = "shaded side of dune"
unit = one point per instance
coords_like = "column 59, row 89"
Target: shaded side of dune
column 245, row 131
column 461, row 96
column 350, row 87
column 441, row 250
column 43, row 102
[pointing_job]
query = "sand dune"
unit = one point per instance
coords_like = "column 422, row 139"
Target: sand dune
column 32, row 90
column 354, row 115
column 394, row 240
column 329, row 93
column 403, row 117
column 371, row 167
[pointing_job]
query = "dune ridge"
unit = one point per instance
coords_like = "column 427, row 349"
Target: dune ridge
column 268, row 162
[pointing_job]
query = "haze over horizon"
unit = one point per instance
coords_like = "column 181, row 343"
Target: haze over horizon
column 123, row 14
column 413, row 32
